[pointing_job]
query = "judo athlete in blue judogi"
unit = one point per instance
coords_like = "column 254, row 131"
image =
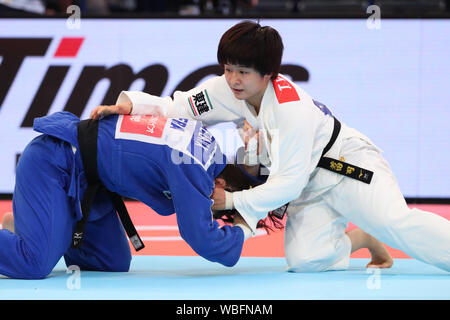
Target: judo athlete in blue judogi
column 168, row 164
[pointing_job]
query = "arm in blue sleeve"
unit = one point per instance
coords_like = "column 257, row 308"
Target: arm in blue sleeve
column 197, row 227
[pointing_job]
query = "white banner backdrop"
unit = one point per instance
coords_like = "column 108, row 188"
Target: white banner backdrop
column 391, row 83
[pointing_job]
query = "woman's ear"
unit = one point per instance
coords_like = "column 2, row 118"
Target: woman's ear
column 268, row 77
column 220, row 182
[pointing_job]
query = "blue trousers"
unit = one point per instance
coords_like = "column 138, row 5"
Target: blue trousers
column 45, row 215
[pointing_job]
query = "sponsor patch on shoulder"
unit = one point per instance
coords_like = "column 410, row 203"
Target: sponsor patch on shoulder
column 200, row 103
column 144, row 125
column 284, row 91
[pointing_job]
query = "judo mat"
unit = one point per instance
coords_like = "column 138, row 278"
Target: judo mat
column 252, row 278
column 167, row 269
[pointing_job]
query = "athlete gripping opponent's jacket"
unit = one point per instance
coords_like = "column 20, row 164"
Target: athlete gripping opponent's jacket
column 327, row 172
column 168, row 164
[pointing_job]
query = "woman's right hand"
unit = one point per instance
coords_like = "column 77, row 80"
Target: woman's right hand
column 107, row 110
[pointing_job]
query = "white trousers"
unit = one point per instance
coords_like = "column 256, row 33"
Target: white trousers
column 315, row 238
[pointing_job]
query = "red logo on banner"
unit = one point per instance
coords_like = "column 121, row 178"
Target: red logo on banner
column 145, row 125
column 284, row 91
column 68, row 47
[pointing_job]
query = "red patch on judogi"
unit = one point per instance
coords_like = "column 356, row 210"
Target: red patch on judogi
column 145, row 125
column 284, row 91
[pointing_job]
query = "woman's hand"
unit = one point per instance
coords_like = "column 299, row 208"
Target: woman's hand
column 108, row 110
column 252, row 139
column 219, row 198
column 8, row 221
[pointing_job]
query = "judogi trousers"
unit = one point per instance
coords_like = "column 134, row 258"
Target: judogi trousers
column 48, row 187
column 315, row 238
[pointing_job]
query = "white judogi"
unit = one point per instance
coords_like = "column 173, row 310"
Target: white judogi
column 295, row 131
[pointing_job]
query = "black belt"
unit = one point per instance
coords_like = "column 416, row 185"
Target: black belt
column 342, row 167
column 87, row 141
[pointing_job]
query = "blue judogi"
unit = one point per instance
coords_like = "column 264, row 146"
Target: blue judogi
column 168, row 164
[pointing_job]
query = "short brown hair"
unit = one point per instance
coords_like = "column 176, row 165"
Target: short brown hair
column 250, row 45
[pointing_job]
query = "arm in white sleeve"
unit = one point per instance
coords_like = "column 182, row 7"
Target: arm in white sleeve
column 144, row 103
column 291, row 149
column 248, row 233
column 228, row 200
column 211, row 102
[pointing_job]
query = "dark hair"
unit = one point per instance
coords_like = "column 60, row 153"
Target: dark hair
column 236, row 180
column 250, row 45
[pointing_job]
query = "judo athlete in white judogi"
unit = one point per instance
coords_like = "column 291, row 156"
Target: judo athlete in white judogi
column 357, row 186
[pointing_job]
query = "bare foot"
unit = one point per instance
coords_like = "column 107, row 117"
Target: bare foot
column 381, row 258
column 8, row 221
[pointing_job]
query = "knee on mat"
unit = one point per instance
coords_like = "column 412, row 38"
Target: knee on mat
column 34, row 265
column 123, row 265
column 34, row 271
column 303, row 265
column 118, row 264
column 113, row 262
column 318, row 264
